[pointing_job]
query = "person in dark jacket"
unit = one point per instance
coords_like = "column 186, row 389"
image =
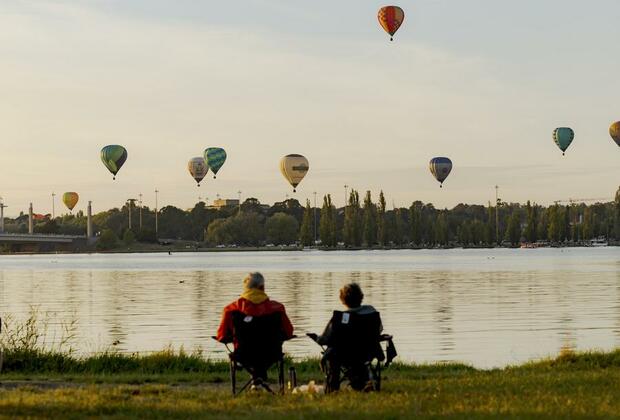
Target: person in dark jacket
column 351, row 296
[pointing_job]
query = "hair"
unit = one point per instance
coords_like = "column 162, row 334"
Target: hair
column 351, row 295
column 254, row 281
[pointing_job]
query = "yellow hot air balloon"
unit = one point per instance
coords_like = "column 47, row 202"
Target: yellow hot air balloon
column 70, row 199
column 294, row 168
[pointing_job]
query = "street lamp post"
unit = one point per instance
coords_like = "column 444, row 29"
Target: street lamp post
column 346, row 195
column 140, row 204
column 156, row 214
column 497, row 201
column 239, row 193
column 2, row 207
column 314, row 210
column 53, row 206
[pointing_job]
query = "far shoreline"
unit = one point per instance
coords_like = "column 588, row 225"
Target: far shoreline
column 189, row 249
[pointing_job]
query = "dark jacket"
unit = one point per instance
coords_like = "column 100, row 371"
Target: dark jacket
column 326, row 337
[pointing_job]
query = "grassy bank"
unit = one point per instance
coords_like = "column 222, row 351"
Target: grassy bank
column 179, row 385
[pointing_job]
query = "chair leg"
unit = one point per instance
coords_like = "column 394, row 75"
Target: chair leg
column 378, row 375
column 281, row 375
column 233, row 377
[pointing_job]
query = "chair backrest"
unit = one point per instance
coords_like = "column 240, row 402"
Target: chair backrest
column 259, row 338
column 355, row 337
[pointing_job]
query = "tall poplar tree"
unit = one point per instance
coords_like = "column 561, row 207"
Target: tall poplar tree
column 352, row 221
column 305, row 232
column 381, row 227
column 370, row 221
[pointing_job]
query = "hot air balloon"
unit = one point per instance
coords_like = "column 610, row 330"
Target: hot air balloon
column 614, row 132
column 113, row 157
column 563, row 137
column 215, row 158
column 294, row 168
column 70, row 199
column 390, row 18
column 197, row 168
column 440, row 168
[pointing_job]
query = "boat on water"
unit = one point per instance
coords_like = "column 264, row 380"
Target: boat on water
column 600, row 241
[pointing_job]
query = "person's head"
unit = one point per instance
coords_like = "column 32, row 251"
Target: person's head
column 254, row 281
column 351, row 295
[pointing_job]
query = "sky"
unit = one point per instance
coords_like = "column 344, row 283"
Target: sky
column 483, row 82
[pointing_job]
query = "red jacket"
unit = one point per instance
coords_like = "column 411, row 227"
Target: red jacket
column 225, row 331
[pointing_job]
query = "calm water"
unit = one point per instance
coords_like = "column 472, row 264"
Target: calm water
column 485, row 307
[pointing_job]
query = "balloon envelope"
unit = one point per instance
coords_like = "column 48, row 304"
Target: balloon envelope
column 390, row 18
column 294, row 168
column 563, row 137
column 70, row 199
column 197, row 168
column 614, row 132
column 215, row 158
column 113, row 157
column 440, row 168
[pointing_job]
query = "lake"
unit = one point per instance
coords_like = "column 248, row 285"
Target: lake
column 486, row 307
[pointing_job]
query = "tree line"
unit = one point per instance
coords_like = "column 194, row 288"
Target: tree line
column 361, row 223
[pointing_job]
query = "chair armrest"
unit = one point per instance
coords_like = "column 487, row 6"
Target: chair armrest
column 313, row 337
column 223, row 342
column 385, row 337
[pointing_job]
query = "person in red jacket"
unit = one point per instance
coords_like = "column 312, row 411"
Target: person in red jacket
column 253, row 302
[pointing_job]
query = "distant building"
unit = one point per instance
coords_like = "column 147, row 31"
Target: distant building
column 221, row 203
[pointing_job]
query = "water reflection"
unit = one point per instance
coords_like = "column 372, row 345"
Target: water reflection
column 485, row 307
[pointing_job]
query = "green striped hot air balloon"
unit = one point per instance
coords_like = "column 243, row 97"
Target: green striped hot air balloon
column 113, row 157
column 563, row 137
column 215, row 157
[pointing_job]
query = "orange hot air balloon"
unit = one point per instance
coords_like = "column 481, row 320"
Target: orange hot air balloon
column 614, row 132
column 390, row 18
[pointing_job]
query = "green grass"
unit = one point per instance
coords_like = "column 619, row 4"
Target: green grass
column 179, row 385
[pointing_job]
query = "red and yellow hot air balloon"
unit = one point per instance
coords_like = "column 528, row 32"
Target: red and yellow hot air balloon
column 390, row 18
column 70, row 199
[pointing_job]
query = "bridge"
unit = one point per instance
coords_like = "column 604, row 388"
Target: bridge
column 15, row 242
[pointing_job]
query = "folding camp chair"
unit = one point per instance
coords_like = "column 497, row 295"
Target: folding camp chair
column 1, row 350
column 355, row 352
column 258, row 347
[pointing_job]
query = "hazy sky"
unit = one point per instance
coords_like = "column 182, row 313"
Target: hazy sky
column 483, row 82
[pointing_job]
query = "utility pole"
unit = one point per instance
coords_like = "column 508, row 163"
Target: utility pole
column 497, row 203
column 30, row 220
column 2, row 207
column 129, row 211
column 140, row 204
column 239, row 192
column 89, row 220
column 53, row 206
column 346, row 195
column 156, row 214
column 314, row 210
